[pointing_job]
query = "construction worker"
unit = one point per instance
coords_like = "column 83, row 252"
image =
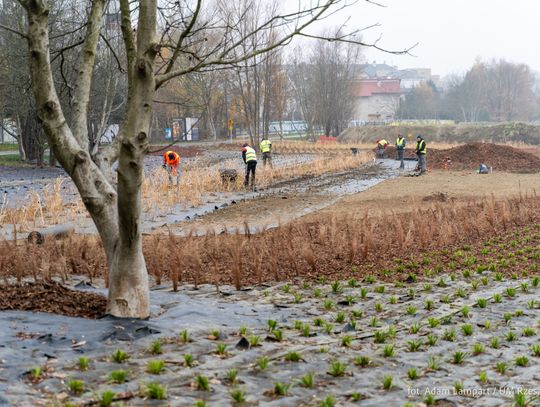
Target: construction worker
column 421, row 153
column 266, row 150
column 381, row 146
column 250, row 159
column 400, row 147
column 171, row 162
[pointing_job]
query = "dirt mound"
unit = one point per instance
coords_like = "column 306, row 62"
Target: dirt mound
column 471, row 155
column 184, row 151
column 53, row 298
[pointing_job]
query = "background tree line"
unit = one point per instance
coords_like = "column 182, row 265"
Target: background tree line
column 497, row 90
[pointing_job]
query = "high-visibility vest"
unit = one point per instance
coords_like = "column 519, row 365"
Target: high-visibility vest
column 400, row 141
column 171, row 158
column 421, row 147
column 383, row 142
column 251, row 155
column 265, row 146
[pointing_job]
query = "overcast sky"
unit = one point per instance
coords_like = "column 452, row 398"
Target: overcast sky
column 451, row 34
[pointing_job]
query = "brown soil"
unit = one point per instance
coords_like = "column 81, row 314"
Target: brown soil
column 53, row 298
column 470, row 156
column 185, row 152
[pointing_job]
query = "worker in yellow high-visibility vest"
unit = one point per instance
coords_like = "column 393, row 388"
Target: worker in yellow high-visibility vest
column 400, row 148
column 421, row 153
column 266, row 151
column 250, row 159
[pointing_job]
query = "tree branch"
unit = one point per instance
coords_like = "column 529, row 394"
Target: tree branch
column 13, row 30
column 183, row 36
column 83, row 82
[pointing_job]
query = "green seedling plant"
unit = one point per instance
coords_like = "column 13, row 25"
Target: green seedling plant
column 522, row 361
column 277, row 335
column 429, row 399
column 433, row 363
column 378, row 307
column 155, row 367
column 431, row 340
column 393, row 300
column 238, row 395
column 340, row 317
column 429, row 305
column 352, row 283
column 36, row 373
column 415, row 328
column 328, row 401
column 262, row 363
column 363, row 293
column 336, row 287
column 306, row 331
column 387, row 382
column 379, row 289
column 511, row 336
column 380, row 336
column 293, row 356
column 458, row 387
column 535, row 350
column 507, row 317
column 156, row 391
column 374, row 322
column 481, row 302
column 119, row 356
column 308, row 380
column 221, row 349
column 317, row 293
column 155, row 348
column 184, row 336
column 298, row 325
column 478, row 349
column 412, row 374
column 465, row 311
column 118, row 376
column 328, row 328
column 495, row 343
column 215, row 334
column 328, row 304
column 362, row 361
column 467, row 329
column 414, row 345
column 389, row 351
column 346, row 341
column 520, row 398
column 483, row 377
column 433, row 322
column 528, row 332
column 501, row 367
column 232, row 375
column 281, row 389
column 510, row 292
column 449, row 335
column 75, row 386
column 458, row 357
column 318, row 322
column 106, row 399
column 83, row 363
column 337, row 369
column 411, row 310
column 202, row 383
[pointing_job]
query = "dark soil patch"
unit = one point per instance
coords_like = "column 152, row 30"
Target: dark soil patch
column 53, row 298
column 469, row 156
column 185, row 152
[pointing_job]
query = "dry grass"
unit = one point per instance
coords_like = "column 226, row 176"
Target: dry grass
column 337, row 247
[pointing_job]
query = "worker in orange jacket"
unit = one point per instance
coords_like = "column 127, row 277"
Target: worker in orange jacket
column 171, row 162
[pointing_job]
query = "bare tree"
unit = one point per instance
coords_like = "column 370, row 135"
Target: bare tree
column 116, row 209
